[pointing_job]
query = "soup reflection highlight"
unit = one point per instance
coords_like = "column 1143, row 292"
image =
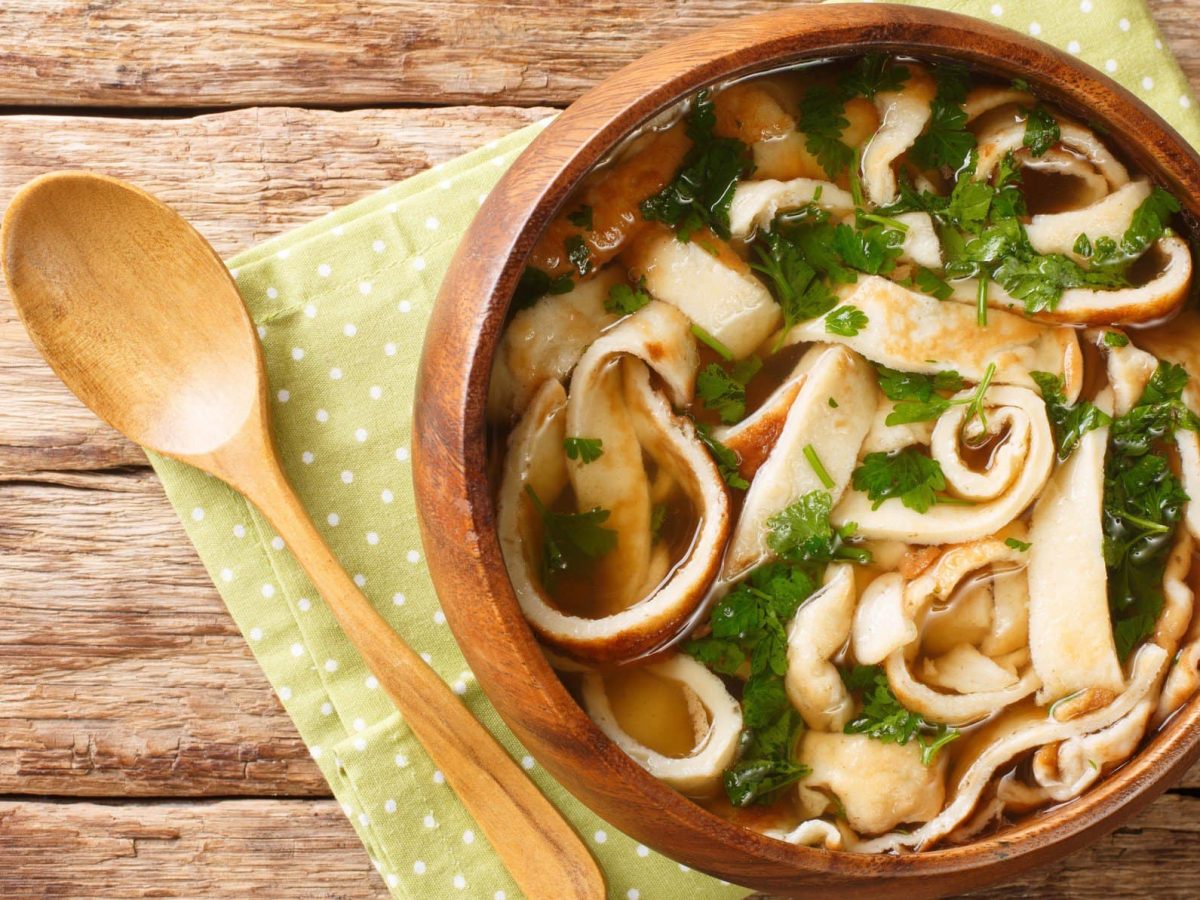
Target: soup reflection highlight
column 844, row 436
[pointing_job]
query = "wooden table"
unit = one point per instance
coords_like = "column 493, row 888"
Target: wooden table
column 142, row 752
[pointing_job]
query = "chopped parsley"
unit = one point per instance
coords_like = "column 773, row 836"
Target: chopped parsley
column 907, row 474
column 1115, row 339
column 1143, row 502
column 802, row 533
column 711, row 342
column 749, row 632
column 586, row 450
column 1019, row 546
column 700, row 193
column 818, row 467
column 929, row 283
column 917, row 399
column 658, row 516
column 1147, row 225
column 723, row 391
column 846, row 321
column 875, row 73
column 873, row 250
column 1070, row 422
column 571, row 540
column 885, row 719
column 946, row 140
column 581, row 218
column 727, row 460
column 1041, row 131
column 623, row 300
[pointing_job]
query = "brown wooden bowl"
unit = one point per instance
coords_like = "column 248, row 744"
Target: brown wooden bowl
column 458, row 518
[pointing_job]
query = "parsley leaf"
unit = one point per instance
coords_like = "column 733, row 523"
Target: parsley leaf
column 1041, row 131
column 822, row 120
column 727, row 460
column 1070, row 423
column 571, row 540
column 897, row 385
column 1147, row 225
column 802, row 532
column 846, row 321
column 535, row 283
column 872, row 250
column 700, row 193
column 885, row 719
column 1115, row 339
column 908, row 474
column 1019, row 546
column 725, row 392
column 585, row 450
column 929, row 283
column 623, row 300
column 767, row 762
column 946, row 141
column 875, row 73
column 1143, row 502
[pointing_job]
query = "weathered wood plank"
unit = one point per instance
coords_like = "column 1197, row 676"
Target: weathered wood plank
column 240, row 177
column 351, row 52
column 121, row 673
column 233, row 848
column 226, row 849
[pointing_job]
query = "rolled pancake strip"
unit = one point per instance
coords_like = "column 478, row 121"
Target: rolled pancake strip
column 1107, row 218
column 1149, row 302
column 834, row 432
column 817, row 632
column 1009, row 137
column 1070, row 629
column 906, row 329
column 903, row 116
column 700, row 772
column 756, row 203
column 1148, row 664
column 1017, row 479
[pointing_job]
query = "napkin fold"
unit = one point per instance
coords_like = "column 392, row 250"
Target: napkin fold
column 341, row 307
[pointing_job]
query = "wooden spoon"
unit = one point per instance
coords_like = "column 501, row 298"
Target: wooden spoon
column 138, row 315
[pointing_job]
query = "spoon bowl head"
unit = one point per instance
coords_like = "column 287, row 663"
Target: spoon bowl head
column 134, row 311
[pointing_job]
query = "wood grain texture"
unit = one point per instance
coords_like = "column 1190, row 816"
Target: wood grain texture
column 360, row 52
column 121, row 673
column 230, row 849
column 251, row 174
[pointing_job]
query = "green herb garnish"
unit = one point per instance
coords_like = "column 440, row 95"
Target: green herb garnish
column 907, row 474
column 1070, row 422
column 581, row 218
column 846, row 321
column 1041, row 131
column 1019, row 546
column 535, row 283
column 624, row 300
column 802, row 533
column 810, row 454
column 571, row 540
column 946, row 141
column 578, row 254
column 885, row 719
column 727, row 460
column 585, row 450
column 723, row 391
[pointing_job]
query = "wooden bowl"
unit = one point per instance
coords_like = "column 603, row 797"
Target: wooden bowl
column 458, row 518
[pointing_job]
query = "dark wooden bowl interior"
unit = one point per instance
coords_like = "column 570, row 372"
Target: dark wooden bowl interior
column 454, row 499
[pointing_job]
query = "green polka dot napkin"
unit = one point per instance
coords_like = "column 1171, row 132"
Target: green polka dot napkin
column 341, row 306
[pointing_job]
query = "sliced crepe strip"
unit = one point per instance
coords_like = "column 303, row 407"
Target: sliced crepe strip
column 810, row 833
column 1157, row 299
column 1018, row 470
column 1090, row 185
column 817, row 633
column 1009, row 137
column 879, row 785
column 1129, row 370
column 717, row 292
column 1026, row 734
column 535, row 457
column 887, row 618
column 1070, row 630
column 1106, row 218
column 966, row 618
column 753, row 438
column 985, row 98
column 756, row 203
column 617, row 480
column 966, row 670
column 833, row 432
column 699, row 773
column 921, row 244
column 905, row 330
column 903, row 116
column 545, row 341
column 1009, row 631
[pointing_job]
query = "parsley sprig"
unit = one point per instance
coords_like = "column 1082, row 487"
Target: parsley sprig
column 724, row 390
column 1143, row 502
column 571, row 541
column 586, row 450
column 727, row 460
column 700, row 193
column 918, row 399
column 623, row 300
column 946, row 141
column 908, row 474
column 1070, row 422
column 803, row 533
column 885, row 719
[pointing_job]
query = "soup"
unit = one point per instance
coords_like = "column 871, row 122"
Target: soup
column 842, row 458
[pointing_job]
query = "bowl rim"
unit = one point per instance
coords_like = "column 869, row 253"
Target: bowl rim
column 450, row 463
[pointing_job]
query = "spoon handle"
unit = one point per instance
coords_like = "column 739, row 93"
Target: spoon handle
column 541, row 851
